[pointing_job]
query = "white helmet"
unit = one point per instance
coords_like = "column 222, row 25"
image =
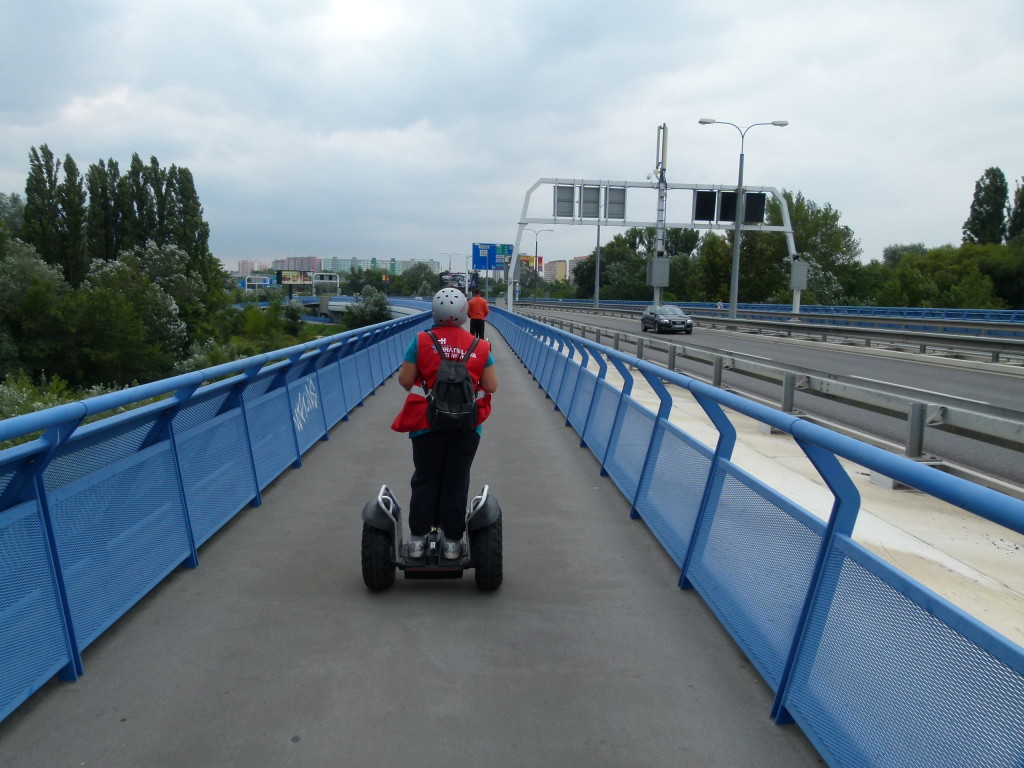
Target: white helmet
column 450, row 307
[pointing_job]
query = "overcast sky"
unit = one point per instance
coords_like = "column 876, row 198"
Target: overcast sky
column 413, row 128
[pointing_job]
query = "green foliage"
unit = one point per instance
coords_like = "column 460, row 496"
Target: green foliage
column 32, row 306
column 624, row 263
column 12, row 214
column 987, row 220
column 943, row 277
column 74, row 221
column 1015, row 222
column 370, row 308
column 892, row 254
column 412, row 281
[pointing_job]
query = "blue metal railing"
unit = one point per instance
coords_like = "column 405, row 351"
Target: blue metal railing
column 93, row 516
column 874, row 667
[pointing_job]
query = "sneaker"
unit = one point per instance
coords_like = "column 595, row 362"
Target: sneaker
column 416, row 547
column 452, row 548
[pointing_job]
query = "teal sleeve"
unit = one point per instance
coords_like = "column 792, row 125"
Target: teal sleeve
column 411, row 352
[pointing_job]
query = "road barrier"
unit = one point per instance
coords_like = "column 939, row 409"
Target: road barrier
column 94, row 515
column 874, row 667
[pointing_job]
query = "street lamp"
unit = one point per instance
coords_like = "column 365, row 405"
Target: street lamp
column 734, row 283
column 536, row 237
column 449, row 255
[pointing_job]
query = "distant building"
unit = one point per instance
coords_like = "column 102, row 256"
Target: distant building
column 299, row 263
column 334, row 264
column 246, row 266
column 391, row 266
column 556, row 270
column 573, row 263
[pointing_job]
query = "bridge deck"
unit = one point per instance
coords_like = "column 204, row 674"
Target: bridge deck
column 273, row 652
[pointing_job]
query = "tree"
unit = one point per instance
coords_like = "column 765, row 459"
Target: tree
column 369, row 308
column 169, row 268
column 12, row 214
column 712, row 266
column 42, row 204
column 32, row 302
column 411, row 281
column 71, row 224
column 124, row 291
column 135, row 201
column 987, row 220
column 892, row 254
column 1015, row 222
column 624, row 263
column 908, row 287
column 103, row 216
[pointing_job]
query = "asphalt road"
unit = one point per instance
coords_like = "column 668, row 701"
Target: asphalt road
column 927, row 375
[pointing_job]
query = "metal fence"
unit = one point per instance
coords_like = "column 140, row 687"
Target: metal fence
column 94, row 515
column 874, row 667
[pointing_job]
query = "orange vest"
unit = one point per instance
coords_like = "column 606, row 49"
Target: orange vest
column 478, row 308
column 455, row 342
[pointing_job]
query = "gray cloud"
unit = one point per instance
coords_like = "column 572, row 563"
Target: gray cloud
column 407, row 129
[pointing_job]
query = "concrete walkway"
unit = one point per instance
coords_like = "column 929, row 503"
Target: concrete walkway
column 273, row 653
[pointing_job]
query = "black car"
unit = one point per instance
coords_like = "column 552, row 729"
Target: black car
column 666, row 317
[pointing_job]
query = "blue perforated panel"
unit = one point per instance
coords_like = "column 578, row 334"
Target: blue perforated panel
column 670, row 493
column 753, row 562
column 118, row 533
column 585, row 387
column 217, row 473
column 599, row 428
column 567, row 385
column 33, row 640
column 625, row 461
column 307, row 411
column 881, row 681
column 333, row 394
column 270, row 430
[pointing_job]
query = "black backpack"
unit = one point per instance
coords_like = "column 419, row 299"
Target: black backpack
column 451, row 404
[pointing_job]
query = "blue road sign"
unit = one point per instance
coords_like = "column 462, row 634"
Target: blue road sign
column 491, row 255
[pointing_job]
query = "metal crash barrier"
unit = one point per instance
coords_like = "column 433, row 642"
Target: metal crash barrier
column 875, row 668
column 94, row 515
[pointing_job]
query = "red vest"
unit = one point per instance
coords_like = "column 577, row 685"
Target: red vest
column 455, row 342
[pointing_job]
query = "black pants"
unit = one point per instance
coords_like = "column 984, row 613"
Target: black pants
column 477, row 326
column 440, row 481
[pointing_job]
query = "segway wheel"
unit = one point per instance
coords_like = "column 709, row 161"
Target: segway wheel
column 485, row 545
column 378, row 568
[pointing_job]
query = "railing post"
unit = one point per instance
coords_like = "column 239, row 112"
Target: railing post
column 672, row 357
column 916, row 420
column 788, row 386
column 716, row 378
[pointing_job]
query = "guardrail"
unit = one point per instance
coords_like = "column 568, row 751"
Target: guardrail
column 93, row 516
column 989, row 424
column 874, row 667
column 982, row 320
column 996, row 344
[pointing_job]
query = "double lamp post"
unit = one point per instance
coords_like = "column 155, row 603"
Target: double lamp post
column 734, row 283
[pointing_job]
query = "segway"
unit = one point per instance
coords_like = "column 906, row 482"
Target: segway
column 383, row 550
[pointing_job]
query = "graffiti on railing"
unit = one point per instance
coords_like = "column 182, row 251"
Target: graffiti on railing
column 306, row 402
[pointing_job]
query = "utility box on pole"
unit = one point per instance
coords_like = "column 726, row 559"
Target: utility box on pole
column 657, row 272
column 798, row 275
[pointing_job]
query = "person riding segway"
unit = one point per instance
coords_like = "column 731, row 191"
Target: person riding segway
column 449, row 376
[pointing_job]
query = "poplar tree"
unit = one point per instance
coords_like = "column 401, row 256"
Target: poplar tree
column 987, row 221
column 71, row 224
column 103, row 216
column 42, row 205
column 1015, row 223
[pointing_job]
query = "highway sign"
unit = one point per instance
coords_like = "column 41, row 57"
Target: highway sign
column 491, row 255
